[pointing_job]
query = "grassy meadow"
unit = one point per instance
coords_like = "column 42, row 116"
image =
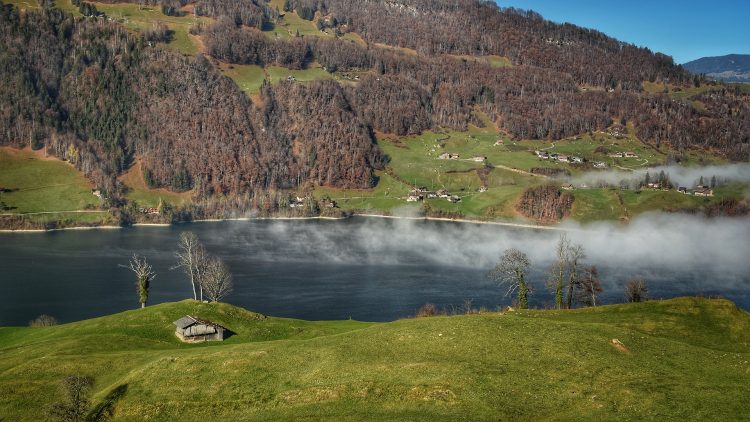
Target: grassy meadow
column 138, row 191
column 680, row 359
column 40, row 184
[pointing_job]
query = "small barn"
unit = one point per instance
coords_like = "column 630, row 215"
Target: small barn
column 193, row 330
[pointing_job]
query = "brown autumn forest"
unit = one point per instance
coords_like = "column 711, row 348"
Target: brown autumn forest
column 98, row 95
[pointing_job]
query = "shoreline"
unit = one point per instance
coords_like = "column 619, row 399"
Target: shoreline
column 218, row 220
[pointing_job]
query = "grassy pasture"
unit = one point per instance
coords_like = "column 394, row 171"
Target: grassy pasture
column 248, row 78
column 40, row 184
column 682, row 359
column 494, row 61
column 595, row 205
column 138, row 18
column 138, row 191
column 313, row 72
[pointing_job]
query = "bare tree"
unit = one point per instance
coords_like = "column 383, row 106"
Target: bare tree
column 191, row 257
column 590, row 286
column 43, row 320
column 511, row 272
column 636, row 290
column 76, row 404
column 216, row 280
column 557, row 272
column 574, row 256
column 144, row 275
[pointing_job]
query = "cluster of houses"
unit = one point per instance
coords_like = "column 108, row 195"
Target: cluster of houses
column 349, row 77
column 700, row 190
column 628, row 154
column 419, row 194
column 449, row 156
column 544, row 155
column 299, row 202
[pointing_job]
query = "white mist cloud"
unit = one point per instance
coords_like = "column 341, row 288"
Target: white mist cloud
column 665, row 241
column 680, row 175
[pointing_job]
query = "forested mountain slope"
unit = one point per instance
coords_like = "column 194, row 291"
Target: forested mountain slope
column 100, row 95
column 730, row 68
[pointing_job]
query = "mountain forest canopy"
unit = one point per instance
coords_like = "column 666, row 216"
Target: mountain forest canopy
column 101, row 96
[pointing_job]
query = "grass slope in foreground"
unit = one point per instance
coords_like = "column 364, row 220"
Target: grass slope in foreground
column 686, row 358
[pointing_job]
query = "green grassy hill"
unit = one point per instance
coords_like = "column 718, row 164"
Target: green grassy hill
column 683, row 359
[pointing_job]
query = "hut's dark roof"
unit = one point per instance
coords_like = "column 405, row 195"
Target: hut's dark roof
column 185, row 322
column 188, row 321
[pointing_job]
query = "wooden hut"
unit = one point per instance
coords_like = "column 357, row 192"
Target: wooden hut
column 193, row 330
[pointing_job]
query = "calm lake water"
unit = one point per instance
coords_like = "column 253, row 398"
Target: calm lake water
column 365, row 269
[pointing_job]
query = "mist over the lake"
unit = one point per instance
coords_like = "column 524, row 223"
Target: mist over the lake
column 366, row 268
column 666, row 239
column 679, row 175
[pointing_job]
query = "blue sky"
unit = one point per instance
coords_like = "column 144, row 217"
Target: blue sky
column 685, row 30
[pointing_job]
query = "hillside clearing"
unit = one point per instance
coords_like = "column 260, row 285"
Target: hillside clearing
column 42, row 184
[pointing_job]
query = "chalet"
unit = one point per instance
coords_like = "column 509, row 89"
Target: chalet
column 499, row 143
column 442, row 193
column 616, row 155
column 97, row 193
column 567, row 187
column 193, row 330
column 148, row 210
column 416, row 194
column 704, row 192
column 576, row 159
column 631, row 154
column 563, row 158
column 542, row 154
column 482, row 189
column 600, row 165
column 682, row 190
column 454, row 199
column 297, row 202
column 554, row 155
column 328, row 203
column 479, row 159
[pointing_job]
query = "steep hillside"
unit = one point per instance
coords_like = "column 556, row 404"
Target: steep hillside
column 678, row 359
column 729, row 68
column 246, row 105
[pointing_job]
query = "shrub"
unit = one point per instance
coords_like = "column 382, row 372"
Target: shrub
column 43, row 321
column 427, row 310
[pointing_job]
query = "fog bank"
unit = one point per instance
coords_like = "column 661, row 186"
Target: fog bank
column 663, row 240
column 680, row 175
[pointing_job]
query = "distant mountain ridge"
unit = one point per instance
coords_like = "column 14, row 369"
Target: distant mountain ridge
column 729, row 68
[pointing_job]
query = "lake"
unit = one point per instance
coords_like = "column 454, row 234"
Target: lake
column 361, row 268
